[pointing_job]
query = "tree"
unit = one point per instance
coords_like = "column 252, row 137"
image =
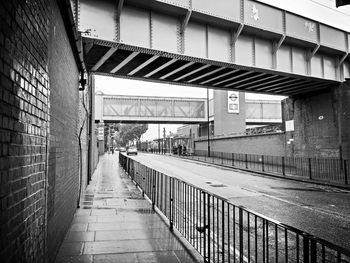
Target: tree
column 130, row 132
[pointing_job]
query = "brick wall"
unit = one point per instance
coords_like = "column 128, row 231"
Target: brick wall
column 63, row 170
column 24, row 95
column 39, row 113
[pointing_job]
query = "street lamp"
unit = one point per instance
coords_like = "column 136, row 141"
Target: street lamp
column 208, row 122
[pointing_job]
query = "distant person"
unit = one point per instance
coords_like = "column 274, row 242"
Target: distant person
column 184, row 150
column 180, row 149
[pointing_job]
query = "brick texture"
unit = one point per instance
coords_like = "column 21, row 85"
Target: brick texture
column 24, row 95
column 63, row 167
column 39, row 123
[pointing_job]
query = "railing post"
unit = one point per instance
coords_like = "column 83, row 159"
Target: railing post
column 310, row 169
column 262, row 163
column 222, row 157
column 246, row 161
column 240, row 234
column 171, row 203
column 208, row 228
column 233, row 159
column 283, row 165
column 345, row 172
column 154, row 189
column 306, row 255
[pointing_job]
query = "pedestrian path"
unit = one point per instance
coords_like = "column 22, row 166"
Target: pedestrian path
column 116, row 224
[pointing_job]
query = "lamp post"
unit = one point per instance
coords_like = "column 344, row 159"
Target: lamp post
column 208, row 122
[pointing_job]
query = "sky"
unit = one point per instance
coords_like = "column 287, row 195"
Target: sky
column 323, row 11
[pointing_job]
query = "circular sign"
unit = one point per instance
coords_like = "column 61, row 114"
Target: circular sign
column 233, row 97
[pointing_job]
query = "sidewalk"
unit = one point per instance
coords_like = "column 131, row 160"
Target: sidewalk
column 116, row 224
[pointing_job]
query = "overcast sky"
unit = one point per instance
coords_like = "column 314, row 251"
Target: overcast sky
column 320, row 10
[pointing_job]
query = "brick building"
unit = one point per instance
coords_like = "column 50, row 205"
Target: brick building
column 44, row 121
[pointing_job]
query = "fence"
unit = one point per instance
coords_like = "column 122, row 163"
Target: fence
column 322, row 169
column 223, row 232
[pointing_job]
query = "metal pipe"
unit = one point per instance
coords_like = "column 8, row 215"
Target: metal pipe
column 208, row 122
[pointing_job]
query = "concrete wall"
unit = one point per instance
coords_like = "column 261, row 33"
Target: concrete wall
column 39, row 164
column 265, row 144
column 321, row 123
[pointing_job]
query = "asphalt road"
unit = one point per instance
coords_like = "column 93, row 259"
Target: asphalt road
column 322, row 211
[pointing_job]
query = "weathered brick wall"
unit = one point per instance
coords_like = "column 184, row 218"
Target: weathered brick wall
column 24, row 96
column 63, row 170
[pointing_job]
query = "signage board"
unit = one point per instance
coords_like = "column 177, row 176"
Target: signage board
column 289, row 125
column 232, row 101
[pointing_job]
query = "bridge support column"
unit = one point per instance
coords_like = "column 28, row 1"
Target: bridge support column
column 321, row 123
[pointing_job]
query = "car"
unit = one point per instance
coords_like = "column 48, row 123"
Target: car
column 131, row 150
column 122, row 149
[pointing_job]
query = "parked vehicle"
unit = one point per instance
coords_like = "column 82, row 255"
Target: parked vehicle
column 122, row 149
column 131, row 150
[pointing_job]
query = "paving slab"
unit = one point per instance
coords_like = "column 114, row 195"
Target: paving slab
column 116, row 224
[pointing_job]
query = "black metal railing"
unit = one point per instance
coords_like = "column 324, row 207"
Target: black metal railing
column 224, row 232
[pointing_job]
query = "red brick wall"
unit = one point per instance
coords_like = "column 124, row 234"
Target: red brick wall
column 24, row 95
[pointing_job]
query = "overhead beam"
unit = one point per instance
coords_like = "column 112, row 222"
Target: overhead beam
column 192, row 72
column 106, row 56
column 243, row 80
column 220, row 76
column 234, row 77
column 265, row 83
column 284, row 84
column 160, row 68
column 177, row 70
column 250, row 82
column 144, row 64
column 206, row 74
column 124, row 62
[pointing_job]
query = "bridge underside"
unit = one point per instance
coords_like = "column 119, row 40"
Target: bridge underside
column 126, row 61
column 237, row 45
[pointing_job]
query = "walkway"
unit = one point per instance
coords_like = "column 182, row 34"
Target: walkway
column 116, row 224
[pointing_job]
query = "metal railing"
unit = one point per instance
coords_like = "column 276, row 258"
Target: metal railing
column 322, row 169
column 224, row 232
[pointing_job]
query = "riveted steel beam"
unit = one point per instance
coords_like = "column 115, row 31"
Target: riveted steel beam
column 124, row 62
column 192, row 72
column 233, row 78
column 144, row 64
column 250, row 82
column 152, row 39
column 220, row 76
column 103, row 59
column 206, row 75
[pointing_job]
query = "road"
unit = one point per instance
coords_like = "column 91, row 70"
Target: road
column 322, row 211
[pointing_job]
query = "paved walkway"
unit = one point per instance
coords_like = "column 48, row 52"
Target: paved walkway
column 116, row 224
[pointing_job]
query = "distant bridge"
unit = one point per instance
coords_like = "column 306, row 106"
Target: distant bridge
column 129, row 109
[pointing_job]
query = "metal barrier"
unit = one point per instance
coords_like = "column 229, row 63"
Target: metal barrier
column 223, row 232
column 322, row 169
